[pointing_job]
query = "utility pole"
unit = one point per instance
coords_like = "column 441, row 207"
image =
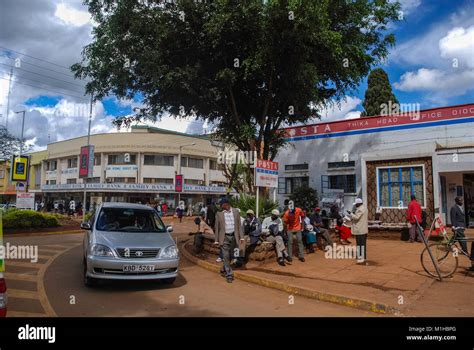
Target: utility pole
column 22, row 130
column 88, row 149
column 8, row 98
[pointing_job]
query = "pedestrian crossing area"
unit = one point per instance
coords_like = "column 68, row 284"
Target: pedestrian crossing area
column 25, row 286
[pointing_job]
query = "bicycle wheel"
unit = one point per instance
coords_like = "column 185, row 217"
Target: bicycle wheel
column 445, row 256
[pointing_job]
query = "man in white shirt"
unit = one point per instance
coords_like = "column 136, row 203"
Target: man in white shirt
column 272, row 228
column 228, row 231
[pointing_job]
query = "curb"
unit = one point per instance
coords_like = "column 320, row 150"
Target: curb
column 37, row 234
column 361, row 304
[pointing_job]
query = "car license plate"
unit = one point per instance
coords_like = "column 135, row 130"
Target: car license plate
column 138, row 268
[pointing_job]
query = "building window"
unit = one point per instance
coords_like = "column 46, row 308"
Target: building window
column 342, row 182
column 119, row 159
column 37, row 170
column 339, row 165
column 151, row 159
column 97, row 159
column 2, row 173
column 213, row 165
column 72, row 163
column 121, row 179
column 153, row 180
column 52, row 165
column 188, row 162
column 50, row 182
column 194, row 182
column 286, row 185
column 297, row 166
column 93, row 180
column 71, row 181
column 396, row 185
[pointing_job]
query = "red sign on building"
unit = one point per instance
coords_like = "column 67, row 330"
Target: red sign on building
column 178, row 183
column 86, row 159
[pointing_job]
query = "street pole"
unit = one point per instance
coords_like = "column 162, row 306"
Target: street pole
column 22, row 131
column 88, row 150
column 179, row 173
column 179, row 166
column 8, row 98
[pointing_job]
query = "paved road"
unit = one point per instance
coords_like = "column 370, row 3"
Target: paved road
column 53, row 286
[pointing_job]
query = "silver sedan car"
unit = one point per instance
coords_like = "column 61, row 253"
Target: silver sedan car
column 127, row 241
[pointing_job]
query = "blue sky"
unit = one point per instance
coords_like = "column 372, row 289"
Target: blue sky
column 52, row 33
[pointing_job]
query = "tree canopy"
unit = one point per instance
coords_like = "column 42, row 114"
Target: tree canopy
column 248, row 67
column 378, row 95
column 10, row 145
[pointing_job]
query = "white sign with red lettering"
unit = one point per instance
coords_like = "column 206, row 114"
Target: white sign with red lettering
column 266, row 173
column 25, row 200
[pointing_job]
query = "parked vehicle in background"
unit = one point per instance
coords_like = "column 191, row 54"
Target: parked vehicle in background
column 3, row 296
column 128, row 241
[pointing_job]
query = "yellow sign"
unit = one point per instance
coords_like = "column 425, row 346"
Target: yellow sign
column 20, row 168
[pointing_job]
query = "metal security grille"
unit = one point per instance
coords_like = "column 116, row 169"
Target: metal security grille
column 138, row 253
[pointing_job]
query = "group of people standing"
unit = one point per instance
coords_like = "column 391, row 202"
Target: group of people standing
column 230, row 230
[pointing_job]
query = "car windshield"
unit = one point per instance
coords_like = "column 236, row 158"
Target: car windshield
column 129, row 220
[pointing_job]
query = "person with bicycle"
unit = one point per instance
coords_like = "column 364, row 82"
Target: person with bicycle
column 458, row 222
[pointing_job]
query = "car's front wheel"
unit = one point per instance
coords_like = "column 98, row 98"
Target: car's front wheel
column 88, row 281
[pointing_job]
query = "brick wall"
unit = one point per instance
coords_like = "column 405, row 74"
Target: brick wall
column 398, row 215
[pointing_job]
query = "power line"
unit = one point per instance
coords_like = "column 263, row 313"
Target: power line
column 36, row 58
column 28, row 71
column 43, row 83
column 56, row 92
column 41, row 67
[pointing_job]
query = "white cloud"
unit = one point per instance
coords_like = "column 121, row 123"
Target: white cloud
column 459, row 44
column 72, row 16
column 407, row 6
column 343, row 111
column 435, row 80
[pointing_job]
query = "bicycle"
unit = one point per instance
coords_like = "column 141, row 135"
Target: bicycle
column 446, row 253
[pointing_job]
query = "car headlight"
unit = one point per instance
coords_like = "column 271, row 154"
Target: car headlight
column 101, row 250
column 170, row 252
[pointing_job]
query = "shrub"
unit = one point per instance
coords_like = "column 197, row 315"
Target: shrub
column 245, row 202
column 19, row 219
column 88, row 217
column 305, row 197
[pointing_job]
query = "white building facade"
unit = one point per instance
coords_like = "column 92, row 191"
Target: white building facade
column 384, row 160
column 136, row 166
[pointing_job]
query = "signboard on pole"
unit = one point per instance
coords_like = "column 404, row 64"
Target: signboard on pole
column 178, row 183
column 86, row 167
column 25, row 200
column 266, row 173
column 20, row 168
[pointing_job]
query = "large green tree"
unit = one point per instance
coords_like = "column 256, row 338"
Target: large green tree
column 10, row 145
column 248, row 67
column 379, row 96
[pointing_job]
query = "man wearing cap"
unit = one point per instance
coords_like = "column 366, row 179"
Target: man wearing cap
column 228, row 231
column 272, row 228
column 293, row 219
column 360, row 229
column 253, row 229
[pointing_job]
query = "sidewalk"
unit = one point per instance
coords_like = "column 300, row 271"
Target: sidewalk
column 393, row 283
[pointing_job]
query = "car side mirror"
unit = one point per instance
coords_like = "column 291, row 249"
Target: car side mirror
column 85, row 225
column 169, row 229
